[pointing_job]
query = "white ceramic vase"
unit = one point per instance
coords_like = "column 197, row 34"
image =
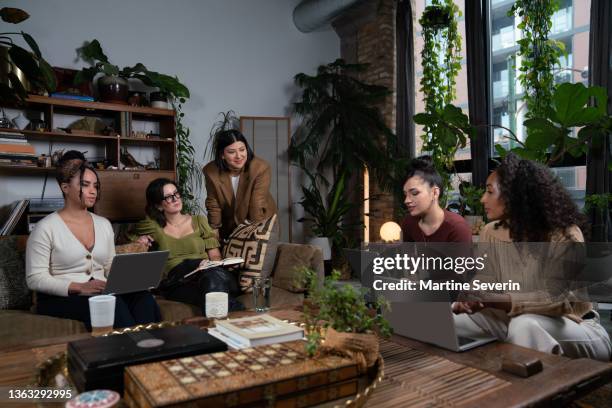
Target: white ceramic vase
column 323, row 243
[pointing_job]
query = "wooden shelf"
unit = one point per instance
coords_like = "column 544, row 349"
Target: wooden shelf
column 115, row 107
column 4, row 168
column 133, row 141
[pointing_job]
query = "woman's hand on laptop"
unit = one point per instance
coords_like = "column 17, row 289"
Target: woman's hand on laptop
column 469, row 307
column 90, row 287
column 146, row 240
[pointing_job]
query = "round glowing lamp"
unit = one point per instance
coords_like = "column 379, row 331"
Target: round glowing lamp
column 390, row 232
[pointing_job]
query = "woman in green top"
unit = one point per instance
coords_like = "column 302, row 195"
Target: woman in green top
column 189, row 239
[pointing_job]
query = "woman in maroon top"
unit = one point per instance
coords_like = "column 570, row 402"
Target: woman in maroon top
column 426, row 220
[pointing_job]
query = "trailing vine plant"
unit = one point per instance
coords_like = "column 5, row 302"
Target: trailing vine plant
column 539, row 54
column 188, row 171
column 445, row 127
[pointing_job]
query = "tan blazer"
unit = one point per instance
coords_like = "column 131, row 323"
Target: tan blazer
column 253, row 200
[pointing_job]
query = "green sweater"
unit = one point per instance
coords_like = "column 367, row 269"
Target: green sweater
column 192, row 246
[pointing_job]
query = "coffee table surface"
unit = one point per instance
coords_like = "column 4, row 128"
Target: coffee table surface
column 561, row 380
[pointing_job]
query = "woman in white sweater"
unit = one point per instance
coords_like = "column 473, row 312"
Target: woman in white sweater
column 69, row 253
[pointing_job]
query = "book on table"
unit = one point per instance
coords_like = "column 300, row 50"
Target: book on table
column 207, row 264
column 255, row 331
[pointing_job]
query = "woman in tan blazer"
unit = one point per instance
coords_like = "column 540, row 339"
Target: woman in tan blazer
column 237, row 184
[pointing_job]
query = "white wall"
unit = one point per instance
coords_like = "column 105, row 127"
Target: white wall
column 231, row 54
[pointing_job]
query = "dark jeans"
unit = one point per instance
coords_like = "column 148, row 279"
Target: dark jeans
column 193, row 289
column 130, row 309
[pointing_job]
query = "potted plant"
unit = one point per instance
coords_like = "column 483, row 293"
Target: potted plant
column 352, row 325
column 113, row 84
column 20, row 67
column 327, row 215
column 468, row 205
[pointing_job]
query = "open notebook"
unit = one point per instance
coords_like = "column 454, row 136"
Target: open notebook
column 207, row 264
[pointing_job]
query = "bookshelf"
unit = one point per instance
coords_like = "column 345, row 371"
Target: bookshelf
column 123, row 191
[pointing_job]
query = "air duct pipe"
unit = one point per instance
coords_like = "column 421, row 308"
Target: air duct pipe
column 311, row 15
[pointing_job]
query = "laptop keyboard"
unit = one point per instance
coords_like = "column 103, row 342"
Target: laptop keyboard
column 465, row 340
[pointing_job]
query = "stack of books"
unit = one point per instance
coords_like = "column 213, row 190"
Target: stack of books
column 16, row 151
column 255, row 331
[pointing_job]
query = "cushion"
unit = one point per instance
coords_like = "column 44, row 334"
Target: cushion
column 291, row 257
column 250, row 241
column 14, row 292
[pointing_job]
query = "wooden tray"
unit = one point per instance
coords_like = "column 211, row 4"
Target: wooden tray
column 54, row 372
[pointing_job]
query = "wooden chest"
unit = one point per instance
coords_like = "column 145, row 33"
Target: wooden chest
column 276, row 374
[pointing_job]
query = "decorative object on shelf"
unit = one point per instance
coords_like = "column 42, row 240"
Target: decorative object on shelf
column 87, row 126
column 5, row 122
column 66, row 88
column 137, row 98
column 128, row 160
column 159, row 100
column 21, row 71
column 113, row 89
column 343, row 309
column 20, row 121
column 38, row 125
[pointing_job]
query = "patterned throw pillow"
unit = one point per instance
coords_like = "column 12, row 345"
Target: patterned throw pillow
column 250, row 241
column 14, row 292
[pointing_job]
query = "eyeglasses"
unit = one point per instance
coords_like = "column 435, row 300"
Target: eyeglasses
column 172, row 197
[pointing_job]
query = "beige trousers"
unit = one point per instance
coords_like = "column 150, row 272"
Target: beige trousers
column 556, row 335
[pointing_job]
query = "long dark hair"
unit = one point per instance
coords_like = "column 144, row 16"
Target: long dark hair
column 74, row 163
column 225, row 138
column 423, row 167
column 536, row 205
column 155, row 196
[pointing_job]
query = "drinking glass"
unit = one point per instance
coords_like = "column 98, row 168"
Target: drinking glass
column 261, row 294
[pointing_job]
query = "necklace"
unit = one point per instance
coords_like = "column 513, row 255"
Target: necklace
column 178, row 224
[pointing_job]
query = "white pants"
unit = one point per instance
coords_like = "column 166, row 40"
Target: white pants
column 556, row 335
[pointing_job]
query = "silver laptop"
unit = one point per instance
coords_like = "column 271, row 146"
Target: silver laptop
column 433, row 322
column 135, row 272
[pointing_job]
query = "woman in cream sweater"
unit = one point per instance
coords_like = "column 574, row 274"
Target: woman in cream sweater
column 70, row 251
column 529, row 205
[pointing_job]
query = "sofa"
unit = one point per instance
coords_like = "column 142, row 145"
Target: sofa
column 19, row 322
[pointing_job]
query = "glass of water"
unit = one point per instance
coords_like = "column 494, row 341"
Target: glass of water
column 261, row 294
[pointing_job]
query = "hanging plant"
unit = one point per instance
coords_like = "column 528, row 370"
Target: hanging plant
column 538, row 53
column 446, row 127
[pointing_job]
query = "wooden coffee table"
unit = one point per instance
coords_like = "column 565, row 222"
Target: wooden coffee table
column 561, row 381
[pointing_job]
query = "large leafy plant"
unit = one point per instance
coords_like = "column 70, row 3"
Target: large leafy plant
column 36, row 69
column 550, row 136
column 342, row 127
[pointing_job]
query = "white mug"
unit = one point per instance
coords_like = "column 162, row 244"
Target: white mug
column 102, row 313
column 216, row 305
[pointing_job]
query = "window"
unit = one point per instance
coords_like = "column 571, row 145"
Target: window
column 571, row 26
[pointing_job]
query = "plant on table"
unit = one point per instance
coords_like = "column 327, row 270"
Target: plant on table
column 341, row 308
